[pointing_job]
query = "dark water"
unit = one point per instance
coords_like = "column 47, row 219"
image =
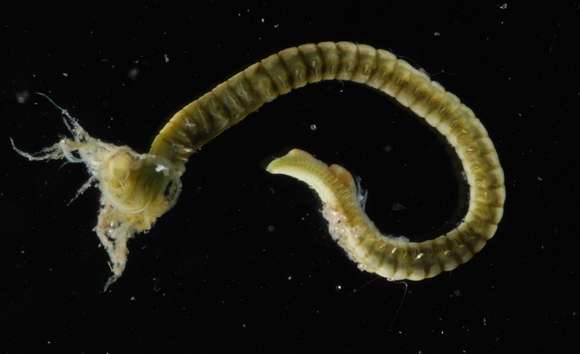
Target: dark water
column 244, row 259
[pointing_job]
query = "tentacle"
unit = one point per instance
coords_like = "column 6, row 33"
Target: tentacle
column 69, row 121
column 88, row 184
column 53, row 152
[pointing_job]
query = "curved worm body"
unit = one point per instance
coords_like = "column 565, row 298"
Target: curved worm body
column 393, row 258
column 139, row 188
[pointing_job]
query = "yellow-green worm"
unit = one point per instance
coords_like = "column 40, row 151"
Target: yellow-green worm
column 138, row 188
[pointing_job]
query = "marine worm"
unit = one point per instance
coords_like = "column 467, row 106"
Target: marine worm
column 136, row 189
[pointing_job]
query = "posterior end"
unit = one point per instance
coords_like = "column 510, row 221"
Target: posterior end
column 280, row 164
column 306, row 168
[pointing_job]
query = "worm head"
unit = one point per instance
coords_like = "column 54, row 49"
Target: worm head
column 136, row 189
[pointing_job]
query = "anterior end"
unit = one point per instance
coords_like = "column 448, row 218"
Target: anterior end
column 136, row 189
column 118, row 167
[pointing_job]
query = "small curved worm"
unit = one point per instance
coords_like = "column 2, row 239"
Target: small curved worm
column 139, row 188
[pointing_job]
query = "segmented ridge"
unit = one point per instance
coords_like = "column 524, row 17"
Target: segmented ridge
column 291, row 68
column 387, row 256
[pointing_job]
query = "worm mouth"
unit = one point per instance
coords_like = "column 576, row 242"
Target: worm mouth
column 136, row 189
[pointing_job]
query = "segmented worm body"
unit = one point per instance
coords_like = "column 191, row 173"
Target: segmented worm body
column 137, row 189
column 292, row 68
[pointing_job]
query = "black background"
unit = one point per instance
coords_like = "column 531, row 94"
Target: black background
column 244, row 260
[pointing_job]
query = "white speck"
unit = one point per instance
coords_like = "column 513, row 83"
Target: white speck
column 48, row 342
column 160, row 168
column 166, row 58
column 339, row 287
column 156, row 287
column 22, row 96
column 243, row 325
column 313, row 127
column 540, row 179
column 276, row 25
column 133, row 72
column 398, row 206
column 132, row 298
column 289, row 277
column 436, row 34
column 484, row 322
column 271, row 228
column 262, row 20
column 503, row 6
column 65, row 74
